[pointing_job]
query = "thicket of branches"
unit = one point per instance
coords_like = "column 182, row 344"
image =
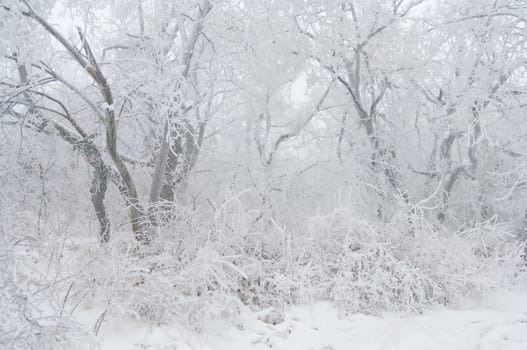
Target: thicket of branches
column 190, row 159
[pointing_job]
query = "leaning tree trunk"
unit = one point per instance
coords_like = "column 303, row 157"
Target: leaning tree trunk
column 89, row 64
column 91, row 153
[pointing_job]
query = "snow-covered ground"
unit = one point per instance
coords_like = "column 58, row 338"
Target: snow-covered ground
column 497, row 323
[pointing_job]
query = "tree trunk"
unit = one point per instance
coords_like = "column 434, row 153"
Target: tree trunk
column 182, row 157
column 98, row 192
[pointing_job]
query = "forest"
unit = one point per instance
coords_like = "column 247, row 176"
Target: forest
column 196, row 162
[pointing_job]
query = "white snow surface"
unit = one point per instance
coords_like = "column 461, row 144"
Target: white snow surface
column 496, row 323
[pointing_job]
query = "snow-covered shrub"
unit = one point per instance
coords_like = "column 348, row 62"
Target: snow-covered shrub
column 370, row 267
column 161, row 287
column 406, row 264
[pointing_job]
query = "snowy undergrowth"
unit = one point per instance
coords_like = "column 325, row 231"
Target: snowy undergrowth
column 199, row 271
column 220, row 270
